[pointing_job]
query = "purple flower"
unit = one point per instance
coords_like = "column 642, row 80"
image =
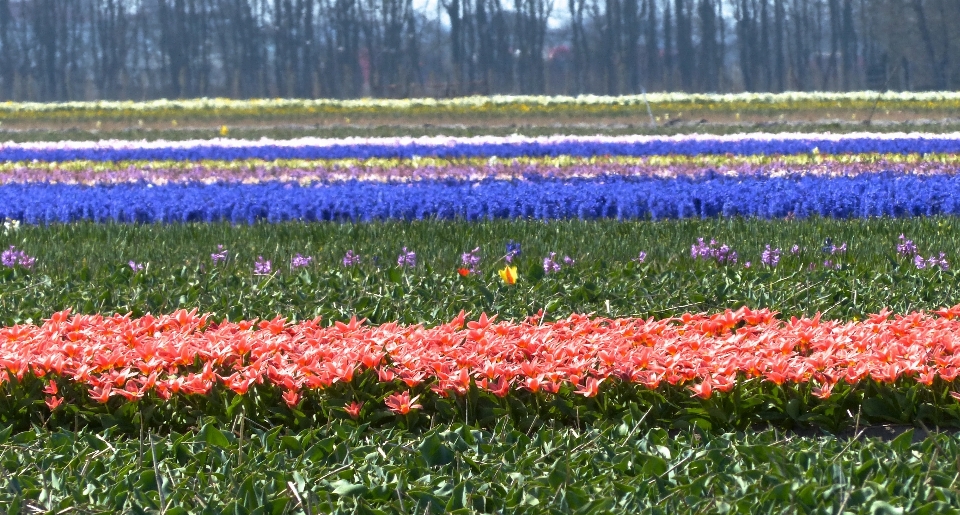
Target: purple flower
column 300, row 261
column 770, row 257
column 220, row 255
column 795, row 250
column 831, row 264
column 549, row 265
column 722, row 254
column 747, row 264
column 931, row 262
column 470, row 260
column 350, row 259
column 407, row 258
column 567, row 260
column 136, row 267
column 906, row 247
column 640, row 257
column 513, row 250
column 262, row 266
column 13, row 257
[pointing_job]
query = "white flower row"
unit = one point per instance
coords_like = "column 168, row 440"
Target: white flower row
column 207, row 104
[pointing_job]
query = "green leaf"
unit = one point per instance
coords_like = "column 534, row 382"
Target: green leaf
column 213, row 436
column 347, row 489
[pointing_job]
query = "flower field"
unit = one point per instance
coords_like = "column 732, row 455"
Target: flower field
column 534, row 324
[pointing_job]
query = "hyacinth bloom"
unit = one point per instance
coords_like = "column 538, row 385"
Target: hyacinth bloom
column 509, row 274
column 470, row 260
column 550, row 265
column 13, row 257
column 722, row 254
column 770, row 257
column 300, row 261
column 513, row 251
column 401, row 403
column 906, row 247
column 931, row 262
column 641, row 258
column 220, row 255
column 262, row 266
column 350, row 259
column 407, row 258
column 136, row 267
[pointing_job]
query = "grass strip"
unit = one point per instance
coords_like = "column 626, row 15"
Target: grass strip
column 86, row 267
column 609, row 467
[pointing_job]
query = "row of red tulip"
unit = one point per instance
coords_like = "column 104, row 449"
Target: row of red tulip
column 134, row 357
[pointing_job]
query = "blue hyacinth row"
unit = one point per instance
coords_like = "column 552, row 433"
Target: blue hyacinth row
column 884, row 194
column 509, row 147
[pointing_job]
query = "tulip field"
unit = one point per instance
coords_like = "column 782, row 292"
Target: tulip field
column 666, row 322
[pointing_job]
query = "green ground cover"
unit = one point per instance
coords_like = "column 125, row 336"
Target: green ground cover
column 603, row 468
column 85, row 267
column 585, row 128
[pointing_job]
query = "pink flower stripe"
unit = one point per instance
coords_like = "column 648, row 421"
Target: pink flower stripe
column 133, row 357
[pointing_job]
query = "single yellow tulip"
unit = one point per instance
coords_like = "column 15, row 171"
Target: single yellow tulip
column 509, row 274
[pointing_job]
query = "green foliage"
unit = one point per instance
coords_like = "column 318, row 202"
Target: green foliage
column 83, row 267
column 456, row 468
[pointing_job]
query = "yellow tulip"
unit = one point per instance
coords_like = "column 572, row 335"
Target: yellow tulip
column 509, row 274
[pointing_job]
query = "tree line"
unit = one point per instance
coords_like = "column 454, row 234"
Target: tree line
column 57, row 50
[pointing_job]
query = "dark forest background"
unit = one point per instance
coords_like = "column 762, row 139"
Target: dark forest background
column 56, row 50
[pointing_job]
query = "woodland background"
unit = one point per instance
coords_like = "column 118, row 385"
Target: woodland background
column 58, row 50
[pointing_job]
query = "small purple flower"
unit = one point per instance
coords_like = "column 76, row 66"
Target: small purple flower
column 13, row 257
column 470, row 260
column 513, row 250
column 407, row 258
column 300, row 261
column 261, row 266
column 722, row 254
column 136, row 267
column 770, row 257
column 795, row 250
column 220, row 255
column 747, row 264
column 831, row 264
column 906, row 247
column 641, row 257
column 567, row 260
column 350, row 259
column 931, row 262
column 549, row 265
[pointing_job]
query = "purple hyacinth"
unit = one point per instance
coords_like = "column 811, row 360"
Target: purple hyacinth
column 770, row 257
column 795, row 250
column 407, row 258
column 300, row 261
column 931, row 262
column 723, row 254
column 13, row 257
column 513, row 251
column 220, row 255
column 567, row 260
column 906, row 247
column 261, row 266
column 471, row 261
column 136, row 267
column 550, row 265
column 641, row 257
column 350, row 259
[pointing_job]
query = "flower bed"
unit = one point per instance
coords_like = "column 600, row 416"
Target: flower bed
column 481, row 146
column 760, row 367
